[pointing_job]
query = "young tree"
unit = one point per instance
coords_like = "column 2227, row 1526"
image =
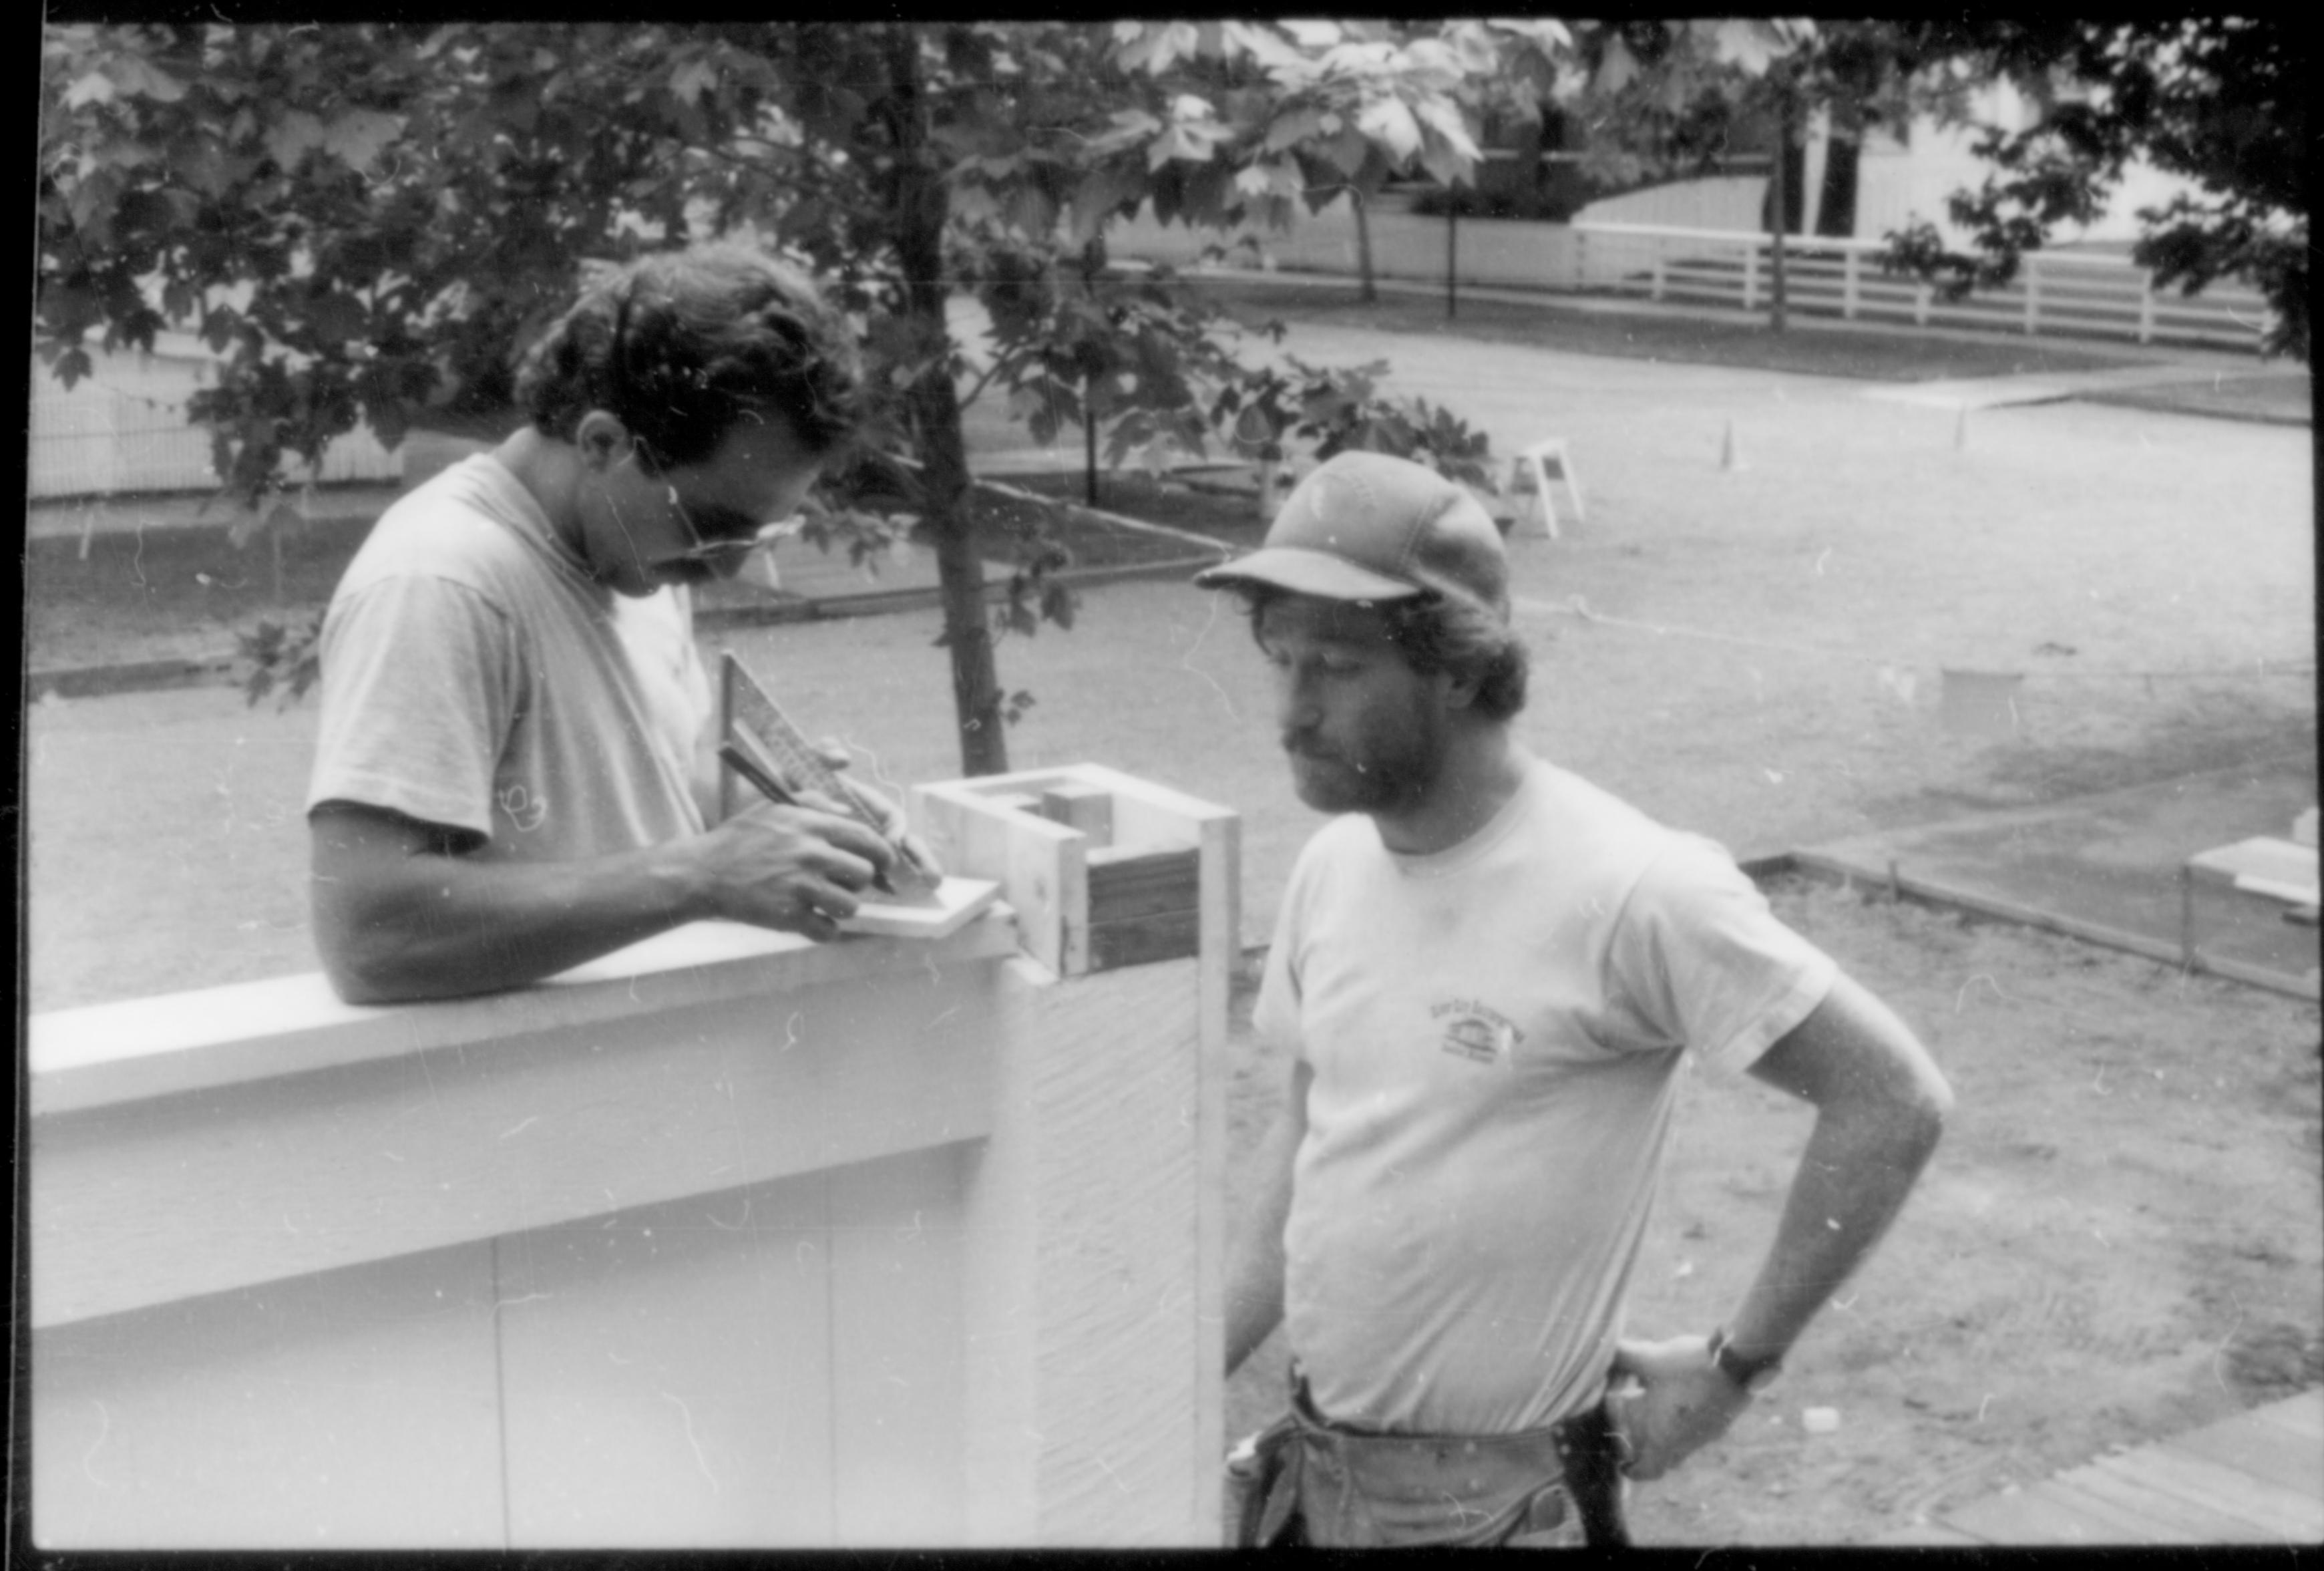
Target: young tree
column 1666, row 98
column 366, row 216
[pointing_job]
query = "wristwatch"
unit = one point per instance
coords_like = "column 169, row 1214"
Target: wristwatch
column 1750, row 1375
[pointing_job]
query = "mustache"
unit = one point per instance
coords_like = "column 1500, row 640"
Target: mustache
column 1308, row 747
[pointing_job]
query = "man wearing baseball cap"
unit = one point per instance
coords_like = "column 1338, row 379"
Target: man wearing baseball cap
column 1488, row 972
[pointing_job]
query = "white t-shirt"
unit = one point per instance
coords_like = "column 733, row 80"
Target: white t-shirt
column 1495, row 1033
column 473, row 676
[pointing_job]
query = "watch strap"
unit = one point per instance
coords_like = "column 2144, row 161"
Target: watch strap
column 1749, row 1374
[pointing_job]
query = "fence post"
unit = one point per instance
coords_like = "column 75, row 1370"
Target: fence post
column 1451, row 259
column 2145, row 307
column 1920, row 305
column 1848, row 285
column 1751, row 273
column 2032, row 296
column 1661, row 260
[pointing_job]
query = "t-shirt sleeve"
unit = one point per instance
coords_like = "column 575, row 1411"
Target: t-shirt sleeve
column 1702, row 961
column 418, row 686
column 1275, row 1016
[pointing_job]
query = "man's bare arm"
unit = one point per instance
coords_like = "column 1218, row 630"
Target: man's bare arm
column 400, row 914
column 1255, row 1264
column 1880, row 1105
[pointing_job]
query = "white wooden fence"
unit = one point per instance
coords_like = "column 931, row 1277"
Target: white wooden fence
column 2055, row 292
column 728, row 1240
column 122, row 429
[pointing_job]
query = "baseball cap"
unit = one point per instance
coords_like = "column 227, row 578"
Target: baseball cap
column 1366, row 526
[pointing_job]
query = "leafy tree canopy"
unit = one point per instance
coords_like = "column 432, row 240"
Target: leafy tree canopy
column 365, row 218
column 2220, row 101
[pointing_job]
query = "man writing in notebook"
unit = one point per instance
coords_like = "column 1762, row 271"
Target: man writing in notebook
column 513, row 774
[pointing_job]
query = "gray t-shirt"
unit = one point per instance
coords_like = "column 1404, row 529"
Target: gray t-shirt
column 1495, row 1034
column 473, row 676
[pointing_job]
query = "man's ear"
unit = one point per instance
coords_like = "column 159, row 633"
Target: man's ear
column 603, row 440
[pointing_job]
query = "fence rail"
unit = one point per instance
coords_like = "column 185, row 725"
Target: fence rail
column 125, row 430
column 2054, row 292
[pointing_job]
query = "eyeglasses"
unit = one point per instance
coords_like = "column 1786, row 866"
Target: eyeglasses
column 722, row 533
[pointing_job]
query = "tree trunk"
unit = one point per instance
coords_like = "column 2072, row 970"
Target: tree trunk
column 1451, row 256
column 1093, row 260
column 1779, row 204
column 1089, row 445
column 921, row 208
column 1367, row 290
column 1836, row 213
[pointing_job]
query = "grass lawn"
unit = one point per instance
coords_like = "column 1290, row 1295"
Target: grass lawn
column 183, row 593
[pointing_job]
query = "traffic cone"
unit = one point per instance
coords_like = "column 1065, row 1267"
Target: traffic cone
column 1730, row 455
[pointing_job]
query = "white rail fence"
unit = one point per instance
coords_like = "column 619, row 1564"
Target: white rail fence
column 125, row 430
column 2057, row 292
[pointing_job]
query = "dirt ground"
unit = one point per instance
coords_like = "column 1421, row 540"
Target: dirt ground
column 2122, row 1236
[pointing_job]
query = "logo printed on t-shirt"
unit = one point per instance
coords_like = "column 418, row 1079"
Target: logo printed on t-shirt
column 1476, row 1032
column 524, row 809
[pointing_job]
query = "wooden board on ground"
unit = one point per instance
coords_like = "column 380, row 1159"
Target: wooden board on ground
column 2271, row 1511
column 2046, row 1515
column 2175, row 1520
column 2296, row 1462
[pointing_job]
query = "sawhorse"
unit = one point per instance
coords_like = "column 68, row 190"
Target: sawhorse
column 1532, row 470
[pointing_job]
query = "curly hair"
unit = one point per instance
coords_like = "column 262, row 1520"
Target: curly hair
column 1439, row 633
column 681, row 346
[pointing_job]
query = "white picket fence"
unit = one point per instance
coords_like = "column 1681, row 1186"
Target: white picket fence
column 2055, row 292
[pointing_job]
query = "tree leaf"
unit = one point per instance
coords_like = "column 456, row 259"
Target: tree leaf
column 95, row 87
column 1749, row 44
column 142, row 78
column 1274, row 53
column 356, row 137
column 1618, row 67
column 292, row 138
column 338, row 317
column 1292, row 127
column 1388, row 121
column 694, row 78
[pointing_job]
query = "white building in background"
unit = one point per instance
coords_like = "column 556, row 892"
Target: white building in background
column 1901, row 180
column 123, row 429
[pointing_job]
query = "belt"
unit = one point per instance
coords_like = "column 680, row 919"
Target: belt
column 1315, row 1481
